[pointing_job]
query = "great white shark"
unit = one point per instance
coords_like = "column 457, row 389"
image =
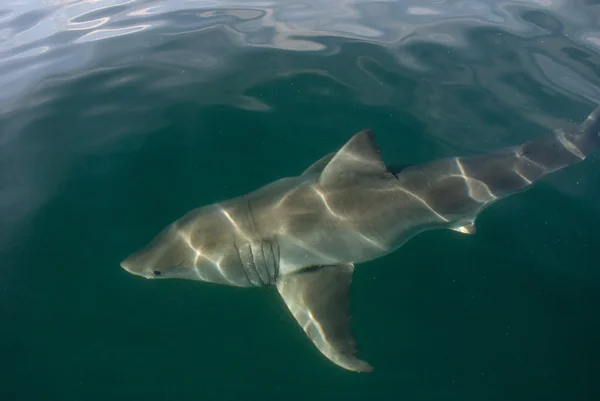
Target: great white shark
column 305, row 234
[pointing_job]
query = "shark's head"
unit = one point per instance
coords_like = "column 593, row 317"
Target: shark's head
column 166, row 256
column 199, row 246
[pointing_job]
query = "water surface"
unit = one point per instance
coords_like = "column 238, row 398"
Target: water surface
column 117, row 117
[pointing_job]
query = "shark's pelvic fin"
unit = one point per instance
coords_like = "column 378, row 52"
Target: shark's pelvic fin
column 319, row 165
column 359, row 157
column 319, row 299
column 466, row 229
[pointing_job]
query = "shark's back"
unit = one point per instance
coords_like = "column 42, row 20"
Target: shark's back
column 349, row 208
column 346, row 208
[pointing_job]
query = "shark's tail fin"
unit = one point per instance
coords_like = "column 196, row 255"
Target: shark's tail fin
column 514, row 169
column 587, row 137
column 555, row 152
column 592, row 123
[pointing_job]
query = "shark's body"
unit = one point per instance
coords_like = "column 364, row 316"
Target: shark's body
column 304, row 234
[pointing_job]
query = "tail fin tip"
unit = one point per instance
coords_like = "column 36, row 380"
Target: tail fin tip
column 591, row 125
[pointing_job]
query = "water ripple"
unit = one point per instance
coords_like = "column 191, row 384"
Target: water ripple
column 455, row 65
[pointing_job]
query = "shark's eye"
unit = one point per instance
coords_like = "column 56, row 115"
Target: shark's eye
column 156, row 272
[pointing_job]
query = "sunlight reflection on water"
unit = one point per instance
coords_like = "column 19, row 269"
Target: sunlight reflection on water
column 462, row 55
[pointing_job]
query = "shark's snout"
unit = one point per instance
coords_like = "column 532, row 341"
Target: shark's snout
column 135, row 265
column 125, row 264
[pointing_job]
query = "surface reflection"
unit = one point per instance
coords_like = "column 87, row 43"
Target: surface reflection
column 463, row 63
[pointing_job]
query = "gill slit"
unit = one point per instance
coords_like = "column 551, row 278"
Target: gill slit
column 252, row 225
column 254, row 266
column 262, row 249
column 241, row 261
column 275, row 259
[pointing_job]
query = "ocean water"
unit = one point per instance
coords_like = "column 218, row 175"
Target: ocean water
column 118, row 116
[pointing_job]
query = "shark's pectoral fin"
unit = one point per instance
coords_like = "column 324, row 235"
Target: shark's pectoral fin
column 359, row 157
column 319, row 299
column 319, row 165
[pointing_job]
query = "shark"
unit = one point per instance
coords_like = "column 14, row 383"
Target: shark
column 304, row 235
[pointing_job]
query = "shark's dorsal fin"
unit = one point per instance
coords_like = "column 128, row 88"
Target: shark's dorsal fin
column 359, row 157
column 319, row 299
column 319, row 165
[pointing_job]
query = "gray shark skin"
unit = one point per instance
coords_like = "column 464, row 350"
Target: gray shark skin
column 305, row 234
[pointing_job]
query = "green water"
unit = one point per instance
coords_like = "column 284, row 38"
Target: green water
column 106, row 142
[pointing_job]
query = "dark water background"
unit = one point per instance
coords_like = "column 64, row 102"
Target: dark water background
column 116, row 117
